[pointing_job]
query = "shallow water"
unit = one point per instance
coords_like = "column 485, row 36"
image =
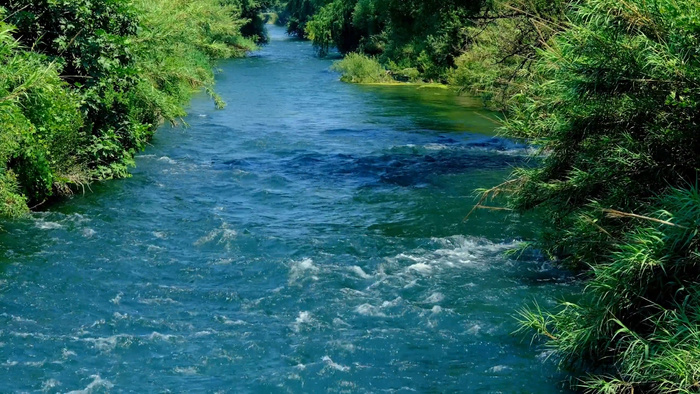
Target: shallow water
column 308, row 238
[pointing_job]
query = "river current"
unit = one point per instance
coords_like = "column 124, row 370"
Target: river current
column 308, row 238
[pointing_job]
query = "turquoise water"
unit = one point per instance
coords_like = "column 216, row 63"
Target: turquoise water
column 308, row 238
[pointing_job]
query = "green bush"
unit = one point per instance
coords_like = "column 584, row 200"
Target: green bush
column 358, row 68
column 40, row 127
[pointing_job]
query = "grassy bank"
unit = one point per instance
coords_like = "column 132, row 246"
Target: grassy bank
column 85, row 84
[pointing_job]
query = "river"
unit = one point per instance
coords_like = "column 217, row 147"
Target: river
column 308, row 238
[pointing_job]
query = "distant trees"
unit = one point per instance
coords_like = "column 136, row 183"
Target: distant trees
column 426, row 35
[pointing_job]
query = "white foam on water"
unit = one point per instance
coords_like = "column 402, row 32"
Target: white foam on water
column 167, row 160
column 68, row 353
column 119, row 316
column 338, row 322
column 436, row 309
column 154, row 248
column 331, row 364
column 44, row 225
column 421, row 268
column 475, row 329
column 347, row 346
column 96, row 384
column 435, row 298
column 223, row 261
column 225, row 320
column 435, row 147
column 89, row 233
column 393, row 303
column 9, row 363
column 107, row 344
column 36, row 335
column 98, row 323
column 302, row 269
column 453, row 252
column 117, row 298
column 18, row 319
column 35, row 364
column 156, row 336
column 360, row 272
column 204, row 333
column 160, row 234
column 347, row 385
column 352, row 292
column 410, row 284
column 499, row 368
column 369, row 310
column 527, row 151
column 50, row 384
column 186, row 370
column 158, row 301
column 224, row 235
column 304, row 318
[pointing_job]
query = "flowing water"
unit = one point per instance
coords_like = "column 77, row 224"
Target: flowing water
column 309, row 238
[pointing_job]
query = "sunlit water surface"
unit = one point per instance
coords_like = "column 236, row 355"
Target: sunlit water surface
column 308, row 238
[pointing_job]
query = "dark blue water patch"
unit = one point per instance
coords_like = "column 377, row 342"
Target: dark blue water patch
column 447, row 140
column 350, row 132
column 498, row 144
column 414, row 170
column 240, row 164
column 405, row 165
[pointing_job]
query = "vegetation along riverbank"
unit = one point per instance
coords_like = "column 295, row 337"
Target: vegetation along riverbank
column 609, row 91
column 85, row 84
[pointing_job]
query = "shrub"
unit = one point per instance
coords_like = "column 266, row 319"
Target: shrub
column 359, row 68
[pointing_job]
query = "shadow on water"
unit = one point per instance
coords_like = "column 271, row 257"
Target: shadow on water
column 407, row 166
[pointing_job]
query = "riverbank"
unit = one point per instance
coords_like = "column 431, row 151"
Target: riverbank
column 85, row 85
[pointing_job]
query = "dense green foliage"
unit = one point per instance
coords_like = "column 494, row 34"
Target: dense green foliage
column 84, row 84
column 504, row 43
column 485, row 47
column 614, row 106
column 424, row 36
